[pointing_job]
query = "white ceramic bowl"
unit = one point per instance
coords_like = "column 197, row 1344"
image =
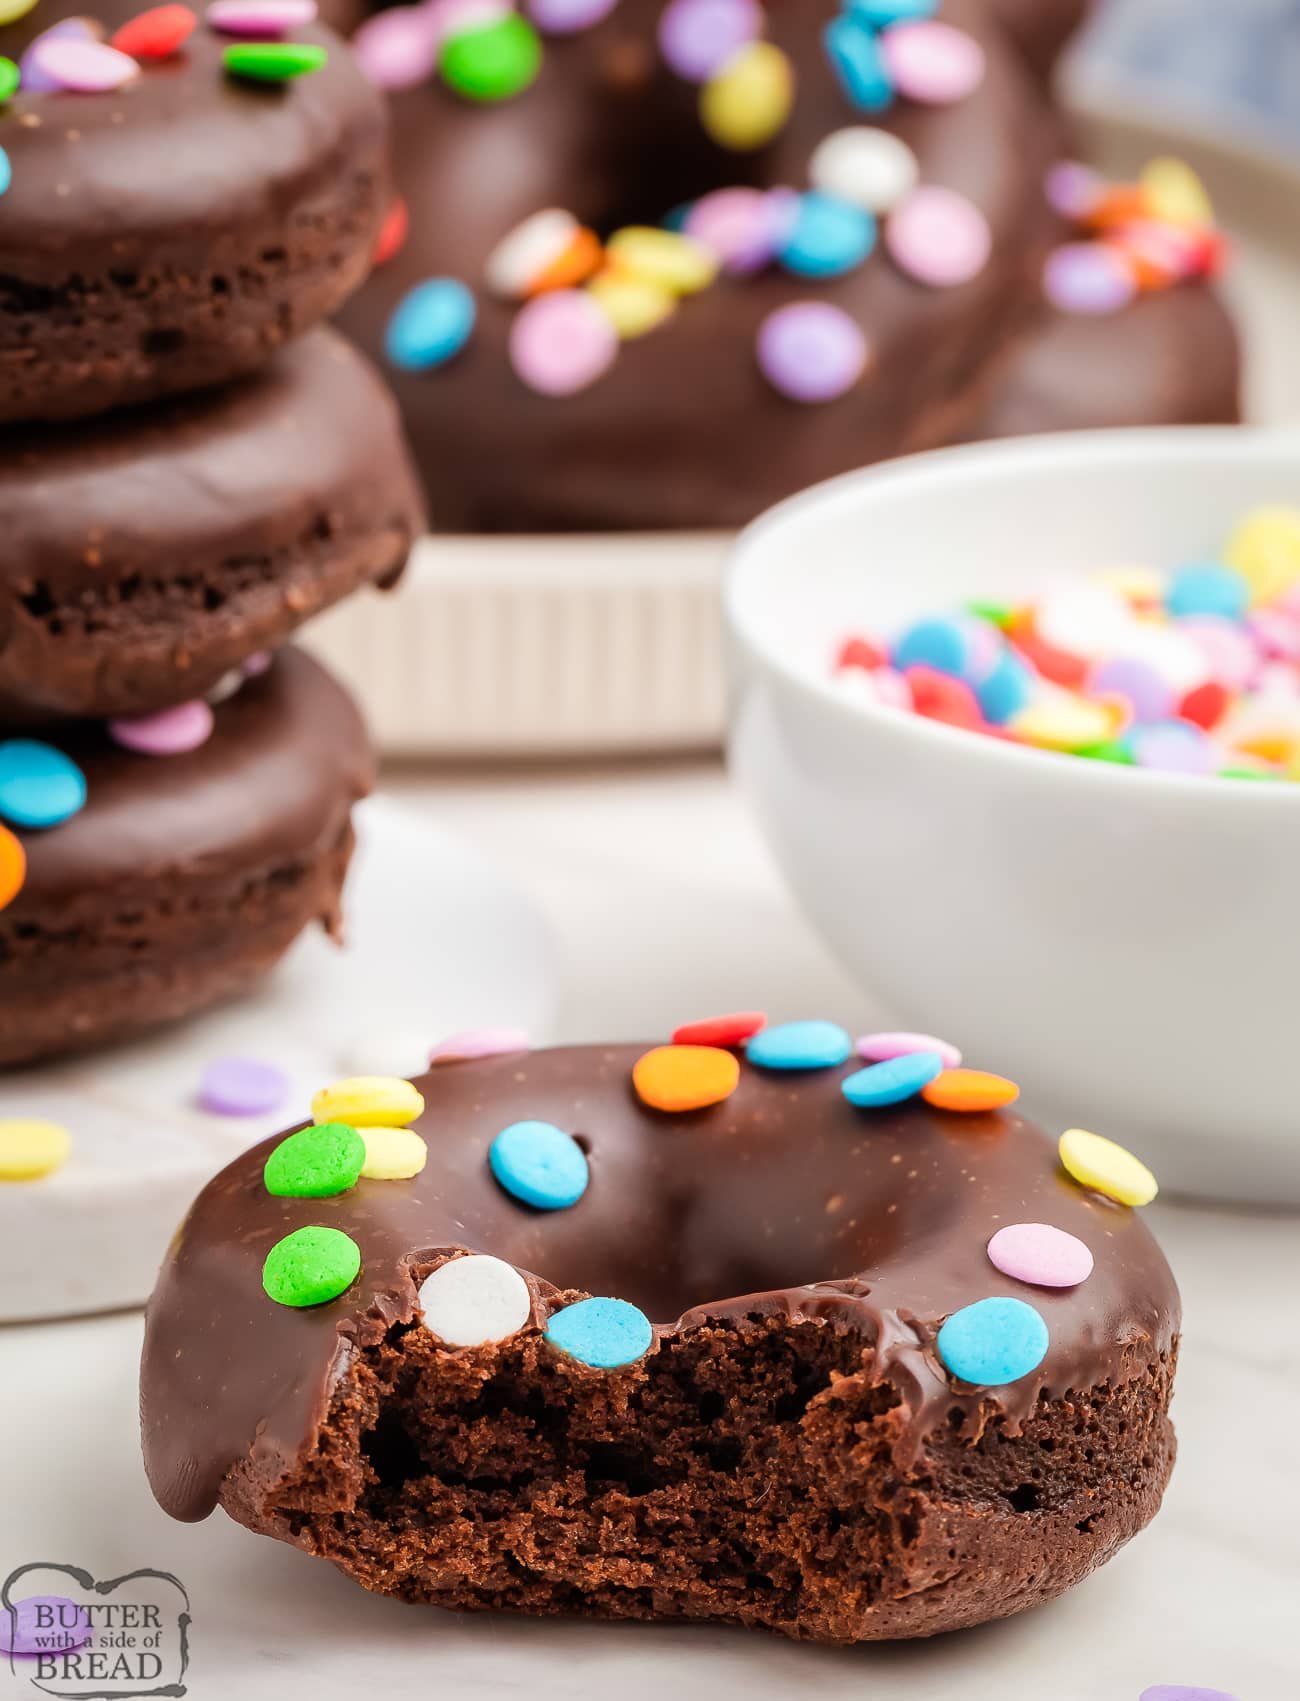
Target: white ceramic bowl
column 1125, row 945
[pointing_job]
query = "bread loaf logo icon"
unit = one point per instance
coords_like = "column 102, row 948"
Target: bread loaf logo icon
column 78, row 1638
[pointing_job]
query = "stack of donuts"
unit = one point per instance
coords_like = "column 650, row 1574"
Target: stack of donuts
column 190, row 466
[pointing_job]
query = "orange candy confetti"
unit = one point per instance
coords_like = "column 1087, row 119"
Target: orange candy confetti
column 584, row 256
column 392, row 233
column 685, row 1077
column 970, row 1089
column 13, row 867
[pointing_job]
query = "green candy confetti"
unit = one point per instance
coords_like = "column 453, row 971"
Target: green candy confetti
column 9, row 79
column 311, row 1266
column 998, row 614
column 494, row 62
column 316, row 1163
column 1113, row 750
column 272, row 61
column 1247, row 774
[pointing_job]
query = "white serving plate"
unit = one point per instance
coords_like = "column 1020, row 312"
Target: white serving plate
column 590, row 644
column 437, row 941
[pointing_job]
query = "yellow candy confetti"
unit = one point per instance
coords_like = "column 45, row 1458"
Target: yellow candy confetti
column 1265, row 550
column 368, row 1101
column 30, row 1149
column 12, row 10
column 392, row 1154
column 1144, row 587
column 631, row 305
column 1099, row 1163
column 1175, row 193
column 749, row 100
column 670, row 262
column 1065, row 722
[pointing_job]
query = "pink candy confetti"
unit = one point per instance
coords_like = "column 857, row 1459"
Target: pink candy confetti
column 1037, row 1253
column 80, row 65
column 260, row 20
column 880, row 1048
column 561, row 342
column 171, row 732
column 811, row 351
column 931, row 62
column 741, row 226
column 474, row 1043
column 1073, row 190
column 938, row 237
column 398, row 49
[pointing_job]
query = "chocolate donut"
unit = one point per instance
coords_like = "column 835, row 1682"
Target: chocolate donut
column 684, row 429
column 184, row 877
column 148, row 553
column 174, row 232
column 785, row 1441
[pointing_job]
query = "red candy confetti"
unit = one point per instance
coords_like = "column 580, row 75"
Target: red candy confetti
column 861, row 652
column 939, row 697
column 721, row 1030
column 392, row 233
column 159, row 33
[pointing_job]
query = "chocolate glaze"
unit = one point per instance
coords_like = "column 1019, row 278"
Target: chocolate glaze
column 286, row 761
column 783, row 1201
column 148, row 552
column 683, row 431
column 183, row 224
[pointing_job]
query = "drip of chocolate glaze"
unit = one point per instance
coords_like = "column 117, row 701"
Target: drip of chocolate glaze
column 783, row 1201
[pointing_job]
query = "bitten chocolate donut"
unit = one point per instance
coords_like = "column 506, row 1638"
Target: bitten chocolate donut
column 148, row 553
column 751, row 1334
column 168, row 222
column 144, row 885
column 679, row 259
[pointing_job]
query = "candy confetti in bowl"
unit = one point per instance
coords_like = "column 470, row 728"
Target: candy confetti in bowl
column 1121, row 938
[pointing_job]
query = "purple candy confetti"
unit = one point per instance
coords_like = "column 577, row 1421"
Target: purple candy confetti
column 1072, row 189
column 811, row 351
column 1184, row 1692
column 171, row 732
column 1089, row 277
column 738, row 225
column 473, row 1043
column 260, row 20
column 698, row 37
column 938, row 237
column 81, row 65
column 1145, row 691
column 242, row 1086
column 932, row 63
column 41, row 1624
column 567, row 17
column 1172, row 747
column 33, row 79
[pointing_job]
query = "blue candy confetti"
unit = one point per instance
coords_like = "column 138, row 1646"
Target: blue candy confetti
column 858, row 63
column 993, row 1342
column 6, row 171
column 1006, row 690
column 430, row 324
column 937, row 643
column 540, row 1164
column 800, row 1045
column 39, row 785
column 1208, row 589
column 828, row 237
column 604, row 1333
column 881, row 13
column 892, row 1082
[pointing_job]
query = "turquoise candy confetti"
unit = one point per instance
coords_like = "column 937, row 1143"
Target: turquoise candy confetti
column 892, row 1082
column 604, row 1333
column 829, row 237
column 430, row 324
column 942, row 644
column 800, row 1045
column 858, row 63
column 1006, row 690
column 540, row 1164
column 1208, row 589
column 39, row 785
column 881, row 13
column 993, row 1342
column 6, row 171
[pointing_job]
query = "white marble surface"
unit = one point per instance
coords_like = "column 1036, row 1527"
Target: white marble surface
column 666, row 906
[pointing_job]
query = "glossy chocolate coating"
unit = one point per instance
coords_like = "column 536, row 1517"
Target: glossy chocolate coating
column 286, row 761
column 147, row 552
column 683, row 430
column 784, row 1201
